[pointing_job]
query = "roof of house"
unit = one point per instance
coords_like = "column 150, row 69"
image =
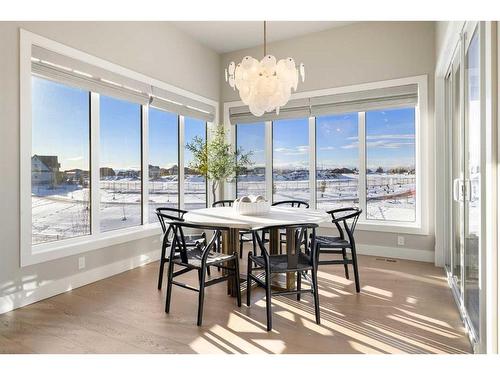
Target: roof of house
column 50, row 161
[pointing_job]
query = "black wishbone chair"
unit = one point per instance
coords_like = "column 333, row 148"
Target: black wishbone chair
column 165, row 216
column 199, row 259
column 245, row 236
column 346, row 218
column 289, row 203
column 298, row 262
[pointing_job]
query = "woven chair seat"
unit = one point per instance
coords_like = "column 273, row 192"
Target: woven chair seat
column 195, row 254
column 332, row 242
column 279, row 263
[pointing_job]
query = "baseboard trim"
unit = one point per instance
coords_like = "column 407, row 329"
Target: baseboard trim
column 25, row 297
column 396, row 252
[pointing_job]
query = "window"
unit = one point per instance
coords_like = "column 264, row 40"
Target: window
column 100, row 150
column 195, row 185
column 60, row 162
column 120, row 164
column 251, row 137
column 163, row 161
column 291, row 159
column 337, row 161
column 390, row 165
column 345, row 147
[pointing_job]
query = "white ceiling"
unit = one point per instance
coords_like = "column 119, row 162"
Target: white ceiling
column 227, row 36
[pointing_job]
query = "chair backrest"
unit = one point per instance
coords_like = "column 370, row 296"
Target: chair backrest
column 179, row 240
column 292, row 203
column 167, row 214
column 300, row 233
column 348, row 217
column 223, row 203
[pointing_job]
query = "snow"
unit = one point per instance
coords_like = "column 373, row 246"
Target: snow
column 64, row 212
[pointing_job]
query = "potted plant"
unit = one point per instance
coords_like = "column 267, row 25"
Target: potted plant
column 215, row 160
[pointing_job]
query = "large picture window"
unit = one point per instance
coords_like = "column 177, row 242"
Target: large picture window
column 101, row 148
column 195, row 185
column 354, row 149
column 60, row 162
column 251, row 137
column 337, row 161
column 291, row 159
column 390, row 165
column 120, row 170
column 163, row 161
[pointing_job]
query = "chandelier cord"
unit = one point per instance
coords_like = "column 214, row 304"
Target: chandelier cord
column 265, row 52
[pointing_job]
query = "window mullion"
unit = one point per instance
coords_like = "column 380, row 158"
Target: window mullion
column 269, row 160
column 362, row 163
column 312, row 162
column 145, row 163
column 181, row 161
column 94, row 164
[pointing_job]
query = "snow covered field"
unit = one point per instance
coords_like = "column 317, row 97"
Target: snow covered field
column 64, row 212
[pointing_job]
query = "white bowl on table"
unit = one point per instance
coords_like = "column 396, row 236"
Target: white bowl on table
column 251, row 205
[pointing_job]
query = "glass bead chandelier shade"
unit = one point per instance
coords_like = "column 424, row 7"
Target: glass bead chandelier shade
column 264, row 85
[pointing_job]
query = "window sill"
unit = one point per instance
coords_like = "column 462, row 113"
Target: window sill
column 64, row 248
column 387, row 227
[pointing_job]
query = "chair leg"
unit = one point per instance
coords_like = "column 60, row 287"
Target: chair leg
column 208, row 271
column 241, row 248
column 299, row 284
column 346, row 268
column 249, row 280
column 160, row 274
column 237, row 279
column 169, row 286
column 219, row 239
column 268, row 301
column 162, row 265
column 201, row 295
column 355, row 266
column 314, row 273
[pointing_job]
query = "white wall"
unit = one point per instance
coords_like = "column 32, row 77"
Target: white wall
column 359, row 53
column 153, row 48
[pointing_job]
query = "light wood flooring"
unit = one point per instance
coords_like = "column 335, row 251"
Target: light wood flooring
column 404, row 307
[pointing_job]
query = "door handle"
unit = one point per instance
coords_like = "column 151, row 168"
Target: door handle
column 467, row 190
column 457, row 190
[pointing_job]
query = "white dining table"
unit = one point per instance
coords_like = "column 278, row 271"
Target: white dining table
column 228, row 217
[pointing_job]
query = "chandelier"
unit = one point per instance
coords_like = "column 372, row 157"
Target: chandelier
column 264, row 85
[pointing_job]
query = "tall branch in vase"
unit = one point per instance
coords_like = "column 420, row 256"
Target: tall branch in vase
column 215, row 160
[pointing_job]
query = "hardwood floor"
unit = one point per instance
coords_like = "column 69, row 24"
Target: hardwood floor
column 404, row 307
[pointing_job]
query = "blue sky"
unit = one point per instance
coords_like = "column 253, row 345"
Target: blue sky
column 336, row 138
column 192, row 128
column 251, row 137
column 60, row 118
column 120, row 134
column 390, row 138
column 163, row 138
column 291, row 143
column 61, row 127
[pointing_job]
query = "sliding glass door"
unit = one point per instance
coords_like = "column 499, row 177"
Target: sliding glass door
column 463, row 99
column 472, row 189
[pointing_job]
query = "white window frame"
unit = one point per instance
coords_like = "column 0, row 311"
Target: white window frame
column 34, row 254
column 424, row 171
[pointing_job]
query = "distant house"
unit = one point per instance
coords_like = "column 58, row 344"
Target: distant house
column 154, row 171
column 174, row 170
column 129, row 173
column 76, row 176
column 44, row 170
column 107, row 172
